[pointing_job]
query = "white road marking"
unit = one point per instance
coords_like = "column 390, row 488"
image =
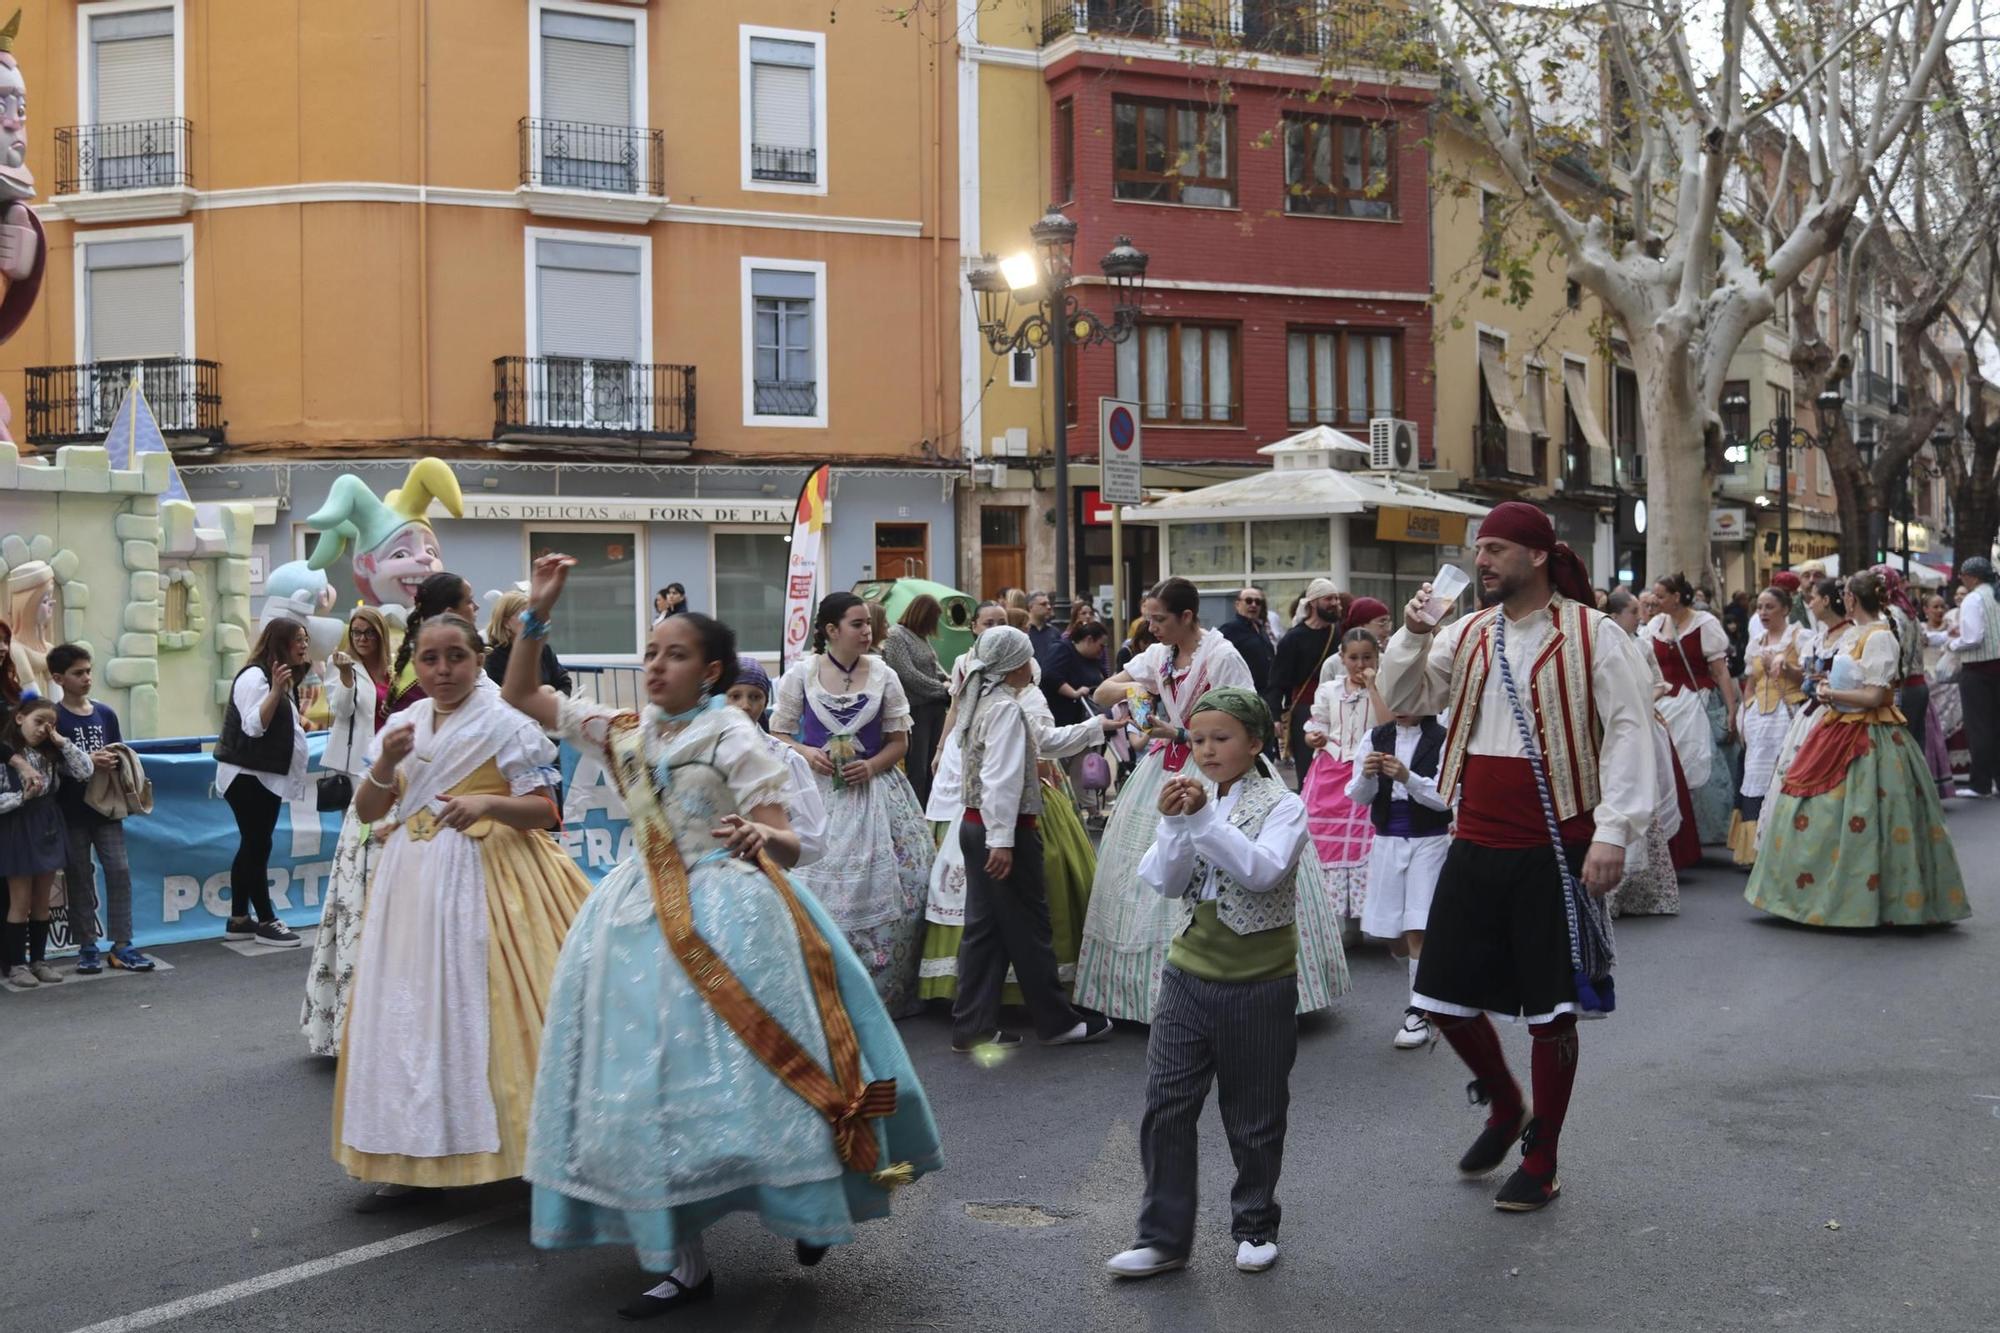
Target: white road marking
column 284, row 1277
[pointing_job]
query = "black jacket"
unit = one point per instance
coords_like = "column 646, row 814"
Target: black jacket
column 552, row 668
column 1296, row 667
column 268, row 753
column 1258, row 654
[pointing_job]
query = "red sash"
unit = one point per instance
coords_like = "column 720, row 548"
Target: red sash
column 1497, row 807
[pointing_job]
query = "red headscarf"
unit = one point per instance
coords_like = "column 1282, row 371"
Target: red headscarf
column 1892, row 581
column 1523, row 524
column 1362, row 610
column 1786, row 582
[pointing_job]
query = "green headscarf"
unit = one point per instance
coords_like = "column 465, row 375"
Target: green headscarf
column 1243, row 705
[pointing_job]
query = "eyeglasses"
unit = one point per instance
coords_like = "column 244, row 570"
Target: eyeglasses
column 1251, row 601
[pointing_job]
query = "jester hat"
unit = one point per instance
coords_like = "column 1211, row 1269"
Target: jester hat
column 352, row 516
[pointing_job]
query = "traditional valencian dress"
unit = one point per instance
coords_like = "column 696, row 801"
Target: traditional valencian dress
column 1342, row 830
column 874, row 871
column 1651, row 883
column 337, row 942
column 1693, row 706
column 457, row 951
column 1856, row 834
column 1068, row 862
column 691, row 980
column 1129, row 926
column 1769, row 704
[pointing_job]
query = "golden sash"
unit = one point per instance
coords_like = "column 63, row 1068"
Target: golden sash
column 841, row 1098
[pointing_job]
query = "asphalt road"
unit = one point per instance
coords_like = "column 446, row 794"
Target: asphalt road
column 1781, row 1129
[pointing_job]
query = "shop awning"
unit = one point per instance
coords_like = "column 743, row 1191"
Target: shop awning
column 1576, row 387
column 1520, row 439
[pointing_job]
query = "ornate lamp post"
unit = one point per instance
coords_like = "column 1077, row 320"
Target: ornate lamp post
column 1040, row 281
column 1781, row 437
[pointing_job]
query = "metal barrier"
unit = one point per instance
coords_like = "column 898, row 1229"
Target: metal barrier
column 612, row 686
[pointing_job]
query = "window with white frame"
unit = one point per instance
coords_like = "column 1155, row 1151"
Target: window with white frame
column 784, row 109
column 604, row 599
column 132, row 138
column 589, row 302
column 750, row 566
column 584, row 137
column 134, row 314
column 785, row 342
column 1021, row 368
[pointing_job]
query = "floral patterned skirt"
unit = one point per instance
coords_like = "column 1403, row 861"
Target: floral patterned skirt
column 337, row 945
column 874, row 877
column 1872, row 851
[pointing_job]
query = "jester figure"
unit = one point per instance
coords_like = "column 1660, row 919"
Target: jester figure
column 393, row 545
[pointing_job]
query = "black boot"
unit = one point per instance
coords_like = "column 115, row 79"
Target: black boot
column 38, row 941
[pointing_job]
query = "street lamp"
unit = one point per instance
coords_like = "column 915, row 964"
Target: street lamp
column 1041, row 280
column 1781, row 437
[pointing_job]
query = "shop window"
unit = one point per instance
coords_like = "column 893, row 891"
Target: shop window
column 603, row 606
column 750, row 586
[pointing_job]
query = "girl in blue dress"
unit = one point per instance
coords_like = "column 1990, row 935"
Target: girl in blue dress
column 713, row 1044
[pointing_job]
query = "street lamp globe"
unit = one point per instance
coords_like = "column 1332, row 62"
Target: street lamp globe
column 1055, row 236
column 1021, row 272
column 1125, row 269
column 990, row 286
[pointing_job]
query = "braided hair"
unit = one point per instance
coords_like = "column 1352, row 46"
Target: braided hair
column 435, row 595
column 833, row 609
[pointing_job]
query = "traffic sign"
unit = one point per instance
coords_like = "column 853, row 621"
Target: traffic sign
column 1120, row 456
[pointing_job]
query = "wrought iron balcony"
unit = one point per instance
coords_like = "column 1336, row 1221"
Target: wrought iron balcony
column 77, row 404
column 1364, row 33
column 125, row 155
column 800, row 165
column 610, row 159
column 577, row 398
column 786, row 398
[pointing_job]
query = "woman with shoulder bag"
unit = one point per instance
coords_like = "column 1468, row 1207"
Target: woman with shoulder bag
column 260, row 767
column 358, row 705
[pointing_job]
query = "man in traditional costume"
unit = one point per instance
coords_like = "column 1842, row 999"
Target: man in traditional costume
column 1509, row 932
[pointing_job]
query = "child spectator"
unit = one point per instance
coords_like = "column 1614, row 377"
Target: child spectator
column 1396, row 781
column 31, row 838
column 92, row 727
column 1227, row 1011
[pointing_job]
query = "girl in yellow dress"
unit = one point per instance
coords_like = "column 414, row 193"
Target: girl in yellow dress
column 468, row 908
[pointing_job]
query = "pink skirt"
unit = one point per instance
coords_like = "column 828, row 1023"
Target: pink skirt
column 1342, row 832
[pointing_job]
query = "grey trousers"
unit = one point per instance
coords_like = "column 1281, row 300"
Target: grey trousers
column 1243, row 1037
column 80, row 882
column 1006, row 920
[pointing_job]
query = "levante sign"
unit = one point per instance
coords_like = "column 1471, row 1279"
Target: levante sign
column 554, row 509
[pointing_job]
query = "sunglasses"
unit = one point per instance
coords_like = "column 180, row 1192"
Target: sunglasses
column 1251, row 601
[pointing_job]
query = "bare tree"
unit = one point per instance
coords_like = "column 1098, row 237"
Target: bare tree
column 1838, row 83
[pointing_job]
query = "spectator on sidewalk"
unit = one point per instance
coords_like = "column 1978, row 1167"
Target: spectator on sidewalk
column 1250, row 633
column 260, row 768
column 93, row 728
column 32, row 840
column 502, row 632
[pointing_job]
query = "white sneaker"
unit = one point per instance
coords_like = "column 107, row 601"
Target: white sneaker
column 1145, row 1261
column 1415, row 1032
column 1256, row 1256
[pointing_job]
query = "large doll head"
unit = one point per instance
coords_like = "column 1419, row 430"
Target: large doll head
column 15, row 180
column 394, row 547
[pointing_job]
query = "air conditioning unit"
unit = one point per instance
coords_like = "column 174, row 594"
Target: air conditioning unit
column 1392, row 445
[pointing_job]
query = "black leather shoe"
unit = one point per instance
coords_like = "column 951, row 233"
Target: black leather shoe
column 1526, row 1192
column 372, row 1202
column 808, row 1255
column 1490, row 1149
column 651, row 1307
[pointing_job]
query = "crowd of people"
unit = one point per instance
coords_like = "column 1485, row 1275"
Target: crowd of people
column 712, row 1027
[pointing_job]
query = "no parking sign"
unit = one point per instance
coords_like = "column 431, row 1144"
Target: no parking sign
column 1120, row 457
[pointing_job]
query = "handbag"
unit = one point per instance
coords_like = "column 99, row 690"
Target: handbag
column 336, row 790
column 1590, row 951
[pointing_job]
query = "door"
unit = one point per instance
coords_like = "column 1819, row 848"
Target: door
column 1003, row 555
column 902, row 550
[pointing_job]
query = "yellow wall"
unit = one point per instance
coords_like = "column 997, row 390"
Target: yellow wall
column 327, row 317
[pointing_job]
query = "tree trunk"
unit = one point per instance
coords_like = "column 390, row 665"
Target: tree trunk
column 1978, row 520
column 1679, row 489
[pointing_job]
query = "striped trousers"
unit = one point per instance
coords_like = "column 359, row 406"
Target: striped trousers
column 1242, row 1037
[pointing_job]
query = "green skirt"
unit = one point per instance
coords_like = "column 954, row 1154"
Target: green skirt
column 1069, row 865
column 1872, row 851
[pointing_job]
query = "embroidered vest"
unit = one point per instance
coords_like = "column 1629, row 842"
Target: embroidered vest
column 1000, row 710
column 1244, row 912
column 1557, row 684
column 1767, row 690
column 1989, row 642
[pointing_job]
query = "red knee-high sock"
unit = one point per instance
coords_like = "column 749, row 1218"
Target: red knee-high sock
column 1553, row 1073
column 1479, row 1046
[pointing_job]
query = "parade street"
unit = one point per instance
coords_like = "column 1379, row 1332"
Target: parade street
column 1781, row 1128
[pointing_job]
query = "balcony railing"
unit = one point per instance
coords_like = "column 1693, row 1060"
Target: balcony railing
column 610, row 159
column 125, row 155
column 786, row 398
column 77, row 404
column 800, row 165
column 1489, row 452
column 1366, row 33
column 574, row 397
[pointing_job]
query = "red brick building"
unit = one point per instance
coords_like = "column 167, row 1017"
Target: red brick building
column 1286, row 215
